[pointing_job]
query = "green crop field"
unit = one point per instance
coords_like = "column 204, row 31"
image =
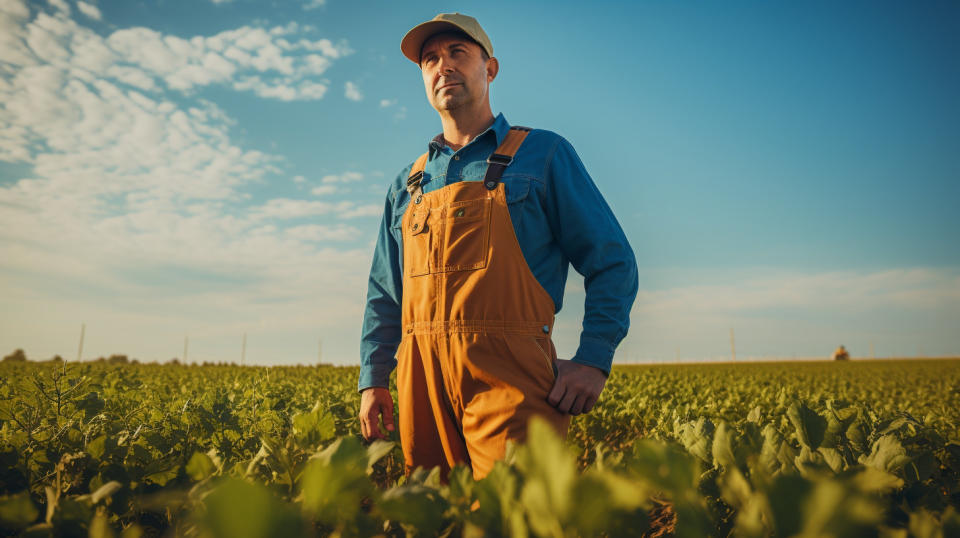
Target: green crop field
column 765, row 449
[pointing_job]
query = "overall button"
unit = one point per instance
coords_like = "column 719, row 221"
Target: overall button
column 419, row 199
column 416, row 226
column 456, row 157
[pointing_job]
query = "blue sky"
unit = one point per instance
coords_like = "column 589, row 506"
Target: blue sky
column 218, row 168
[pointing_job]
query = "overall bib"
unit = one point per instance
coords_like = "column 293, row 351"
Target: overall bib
column 476, row 360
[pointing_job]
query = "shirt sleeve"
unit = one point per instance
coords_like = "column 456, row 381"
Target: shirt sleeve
column 591, row 238
column 381, row 317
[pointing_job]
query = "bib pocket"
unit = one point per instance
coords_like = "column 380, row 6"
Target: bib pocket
column 465, row 235
column 418, row 243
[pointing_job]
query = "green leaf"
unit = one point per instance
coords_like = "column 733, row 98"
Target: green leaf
column 810, row 426
column 550, row 471
column 335, row 480
column 886, row 454
column 100, row 527
column 314, row 427
column 786, row 495
column 91, row 404
column 17, row 511
column 921, row 466
column 161, row 478
column 377, row 450
column 872, row 480
column 723, row 443
column 237, row 509
column 100, row 446
column 833, row 458
column 200, row 466
column 420, row 509
column 697, row 438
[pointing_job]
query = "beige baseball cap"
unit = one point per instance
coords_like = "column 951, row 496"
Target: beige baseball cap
column 411, row 43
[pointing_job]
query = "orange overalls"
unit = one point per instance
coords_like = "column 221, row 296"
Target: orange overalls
column 476, row 360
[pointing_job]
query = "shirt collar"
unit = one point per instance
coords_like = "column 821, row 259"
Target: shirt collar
column 499, row 129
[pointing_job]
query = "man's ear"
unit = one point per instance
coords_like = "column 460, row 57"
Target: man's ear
column 493, row 67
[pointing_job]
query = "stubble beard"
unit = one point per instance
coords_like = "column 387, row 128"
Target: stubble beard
column 452, row 100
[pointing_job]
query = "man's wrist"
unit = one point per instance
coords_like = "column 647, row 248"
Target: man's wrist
column 595, row 352
column 606, row 373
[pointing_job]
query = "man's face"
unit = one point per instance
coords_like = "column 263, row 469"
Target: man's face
column 454, row 71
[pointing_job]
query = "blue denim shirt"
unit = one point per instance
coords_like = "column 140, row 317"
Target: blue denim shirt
column 559, row 217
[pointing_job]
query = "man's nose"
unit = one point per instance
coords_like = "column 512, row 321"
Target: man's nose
column 444, row 65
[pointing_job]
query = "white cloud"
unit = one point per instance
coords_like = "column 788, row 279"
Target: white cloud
column 325, row 46
column 14, row 9
column 832, row 292
column 352, row 92
column 89, row 10
column 313, row 4
column 304, row 90
column 775, row 313
column 324, row 190
column 291, row 208
column 135, row 212
column 346, row 177
column 316, row 232
column 384, row 103
column 61, row 6
column 366, row 210
column 299, row 179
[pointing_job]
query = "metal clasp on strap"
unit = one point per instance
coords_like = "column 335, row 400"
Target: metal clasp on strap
column 414, row 179
column 499, row 158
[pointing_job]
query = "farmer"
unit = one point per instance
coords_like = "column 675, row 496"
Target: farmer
column 469, row 269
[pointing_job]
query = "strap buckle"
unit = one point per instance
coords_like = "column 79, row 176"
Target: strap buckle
column 500, row 158
column 415, row 178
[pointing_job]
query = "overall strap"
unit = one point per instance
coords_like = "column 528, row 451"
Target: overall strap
column 416, row 175
column 501, row 157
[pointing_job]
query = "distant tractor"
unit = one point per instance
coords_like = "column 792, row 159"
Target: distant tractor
column 840, row 354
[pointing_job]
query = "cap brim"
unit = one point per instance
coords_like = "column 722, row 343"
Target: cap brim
column 412, row 42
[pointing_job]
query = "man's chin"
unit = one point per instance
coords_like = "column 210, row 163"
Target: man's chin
column 449, row 104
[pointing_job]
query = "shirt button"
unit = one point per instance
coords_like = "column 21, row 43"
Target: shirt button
column 546, row 328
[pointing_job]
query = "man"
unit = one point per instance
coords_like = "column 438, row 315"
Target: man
column 469, row 270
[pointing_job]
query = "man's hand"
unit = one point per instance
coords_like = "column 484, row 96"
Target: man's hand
column 577, row 387
column 375, row 401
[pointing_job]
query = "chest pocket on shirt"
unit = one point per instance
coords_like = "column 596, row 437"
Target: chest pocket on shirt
column 464, row 235
column 517, row 188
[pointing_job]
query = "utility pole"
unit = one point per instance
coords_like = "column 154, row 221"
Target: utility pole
column 83, row 328
column 733, row 346
column 243, row 351
column 186, row 340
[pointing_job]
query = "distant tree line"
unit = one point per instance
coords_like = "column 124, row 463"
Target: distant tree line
column 18, row 355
